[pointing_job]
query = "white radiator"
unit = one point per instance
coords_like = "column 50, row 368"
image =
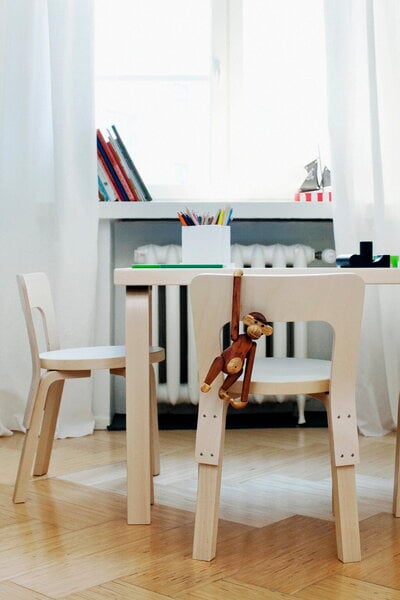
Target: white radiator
column 175, row 319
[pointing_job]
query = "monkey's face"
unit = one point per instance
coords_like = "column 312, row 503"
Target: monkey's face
column 254, row 332
column 255, row 327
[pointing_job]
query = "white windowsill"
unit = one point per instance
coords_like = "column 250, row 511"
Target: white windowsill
column 241, row 210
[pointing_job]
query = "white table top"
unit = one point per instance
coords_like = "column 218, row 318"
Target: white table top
column 183, row 276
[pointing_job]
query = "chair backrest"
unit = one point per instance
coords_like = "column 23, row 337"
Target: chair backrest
column 35, row 294
column 336, row 298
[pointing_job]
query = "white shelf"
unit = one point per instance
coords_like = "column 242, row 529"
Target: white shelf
column 241, row 210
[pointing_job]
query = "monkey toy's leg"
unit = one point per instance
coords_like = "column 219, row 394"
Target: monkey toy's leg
column 229, row 380
column 213, row 371
column 244, row 398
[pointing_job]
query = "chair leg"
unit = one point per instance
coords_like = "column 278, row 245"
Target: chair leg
column 301, row 405
column 154, row 434
column 346, row 514
column 46, row 437
column 396, row 490
column 32, row 438
column 207, row 509
column 209, row 454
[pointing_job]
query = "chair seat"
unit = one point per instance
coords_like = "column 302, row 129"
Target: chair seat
column 288, row 376
column 93, row 357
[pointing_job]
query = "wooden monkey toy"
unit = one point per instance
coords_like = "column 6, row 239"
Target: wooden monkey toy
column 240, row 354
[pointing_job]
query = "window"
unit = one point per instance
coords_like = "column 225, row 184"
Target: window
column 214, row 98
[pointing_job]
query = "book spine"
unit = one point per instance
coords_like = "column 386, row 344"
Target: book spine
column 104, row 165
column 129, row 173
column 134, row 194
column 103, row 196
column 145, row 191
column 106, row 179
column 113, row 167
column 110, row 170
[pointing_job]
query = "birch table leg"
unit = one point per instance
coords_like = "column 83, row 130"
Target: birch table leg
column 137, row 405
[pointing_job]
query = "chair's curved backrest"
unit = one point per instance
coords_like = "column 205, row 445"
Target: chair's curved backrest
column 35, row 293
column 336, row 298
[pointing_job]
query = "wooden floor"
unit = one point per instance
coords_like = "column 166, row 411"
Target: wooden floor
column 276, row 539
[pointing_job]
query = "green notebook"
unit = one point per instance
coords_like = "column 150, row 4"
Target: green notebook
column 178, row 266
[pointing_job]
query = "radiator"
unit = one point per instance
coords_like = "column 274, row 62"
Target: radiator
column 172, row 322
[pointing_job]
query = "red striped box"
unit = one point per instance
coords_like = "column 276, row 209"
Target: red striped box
column 315, row 196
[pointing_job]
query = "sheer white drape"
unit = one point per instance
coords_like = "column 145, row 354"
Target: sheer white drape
column 48, row 188
column 363, row 74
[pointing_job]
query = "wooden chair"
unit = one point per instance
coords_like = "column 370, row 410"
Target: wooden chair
column 334, row 298
column 49, row 371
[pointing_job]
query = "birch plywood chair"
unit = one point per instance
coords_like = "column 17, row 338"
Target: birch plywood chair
column 50, row 369
column 334, row 298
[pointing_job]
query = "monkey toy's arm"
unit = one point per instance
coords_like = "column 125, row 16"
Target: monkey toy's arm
column 235, row 319
column 218, row 363
column 215, row 369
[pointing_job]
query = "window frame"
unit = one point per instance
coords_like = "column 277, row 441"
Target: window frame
column 226, row 80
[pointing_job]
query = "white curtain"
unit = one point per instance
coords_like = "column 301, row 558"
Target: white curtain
column 363, row 76
column 48, row 189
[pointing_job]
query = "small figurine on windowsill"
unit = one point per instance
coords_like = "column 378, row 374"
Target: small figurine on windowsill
column 240, row 355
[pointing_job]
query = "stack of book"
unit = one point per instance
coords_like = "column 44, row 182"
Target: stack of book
column 117, row 176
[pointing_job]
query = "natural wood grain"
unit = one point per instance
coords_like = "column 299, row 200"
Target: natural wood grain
column 54, row 366
column 284, row 299
column 396, row 486
column 274, row 562
column 116, row 590
column 30, row 531
column 71, row 539
column 187, row 573
column 11, row 591
column 346, row 513
column 101, row 558
column 46, row 439
column 234, row 590
column 333, row 588
column 382, row 568
column 137, row 414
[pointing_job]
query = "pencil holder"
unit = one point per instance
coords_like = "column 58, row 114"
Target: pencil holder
column 206, row 244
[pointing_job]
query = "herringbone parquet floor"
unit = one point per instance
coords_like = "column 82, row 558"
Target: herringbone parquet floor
column 276, row 537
